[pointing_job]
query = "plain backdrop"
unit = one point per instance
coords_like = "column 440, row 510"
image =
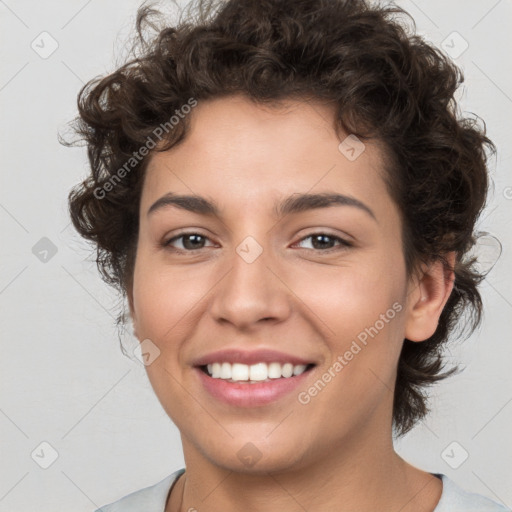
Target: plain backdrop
column 70, row 400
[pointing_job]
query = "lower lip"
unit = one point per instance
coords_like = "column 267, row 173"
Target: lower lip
column 245, row 394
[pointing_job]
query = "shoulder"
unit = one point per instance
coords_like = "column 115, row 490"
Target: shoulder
column 149, row 499
column 456, row 499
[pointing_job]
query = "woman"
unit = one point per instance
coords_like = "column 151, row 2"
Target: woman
column 285, row 196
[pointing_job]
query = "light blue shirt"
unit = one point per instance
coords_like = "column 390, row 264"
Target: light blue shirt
column 152, row 499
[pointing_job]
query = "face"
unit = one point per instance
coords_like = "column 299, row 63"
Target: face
column 323, row 284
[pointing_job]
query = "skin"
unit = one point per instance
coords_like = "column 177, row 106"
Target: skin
column 295, row 297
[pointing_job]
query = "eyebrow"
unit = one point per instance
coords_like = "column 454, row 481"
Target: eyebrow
column 295, row 203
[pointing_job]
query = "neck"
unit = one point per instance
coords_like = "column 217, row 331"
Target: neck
column 364, row 474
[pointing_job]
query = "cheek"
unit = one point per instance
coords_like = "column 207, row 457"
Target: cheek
column 152, row 298
column 166, row 297
column 364, row 315
column 350, row 297
column 361, row 308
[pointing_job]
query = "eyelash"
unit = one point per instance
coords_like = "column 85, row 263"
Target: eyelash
column 343, row 244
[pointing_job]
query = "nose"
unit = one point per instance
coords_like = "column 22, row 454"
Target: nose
column 251, row 293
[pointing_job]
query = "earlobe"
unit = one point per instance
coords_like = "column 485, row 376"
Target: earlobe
column 134, row 323
column 132, row 312
column 427, row 298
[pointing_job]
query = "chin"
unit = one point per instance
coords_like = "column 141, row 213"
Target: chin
column 249, row 457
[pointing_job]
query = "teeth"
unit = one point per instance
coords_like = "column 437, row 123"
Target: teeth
column 225, row 371
column 299, row 368
column 274, row 371
column 287, row 370
column 239, row 371
column 258, row 372
column 254, row 373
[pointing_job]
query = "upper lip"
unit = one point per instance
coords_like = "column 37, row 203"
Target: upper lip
column 249, row 357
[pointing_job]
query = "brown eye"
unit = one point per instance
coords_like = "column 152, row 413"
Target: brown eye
column 325, row 241
column 189, row 242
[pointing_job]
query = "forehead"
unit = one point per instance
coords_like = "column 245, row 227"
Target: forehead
column 245, row 153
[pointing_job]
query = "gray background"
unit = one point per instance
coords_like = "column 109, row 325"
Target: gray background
column 64, row 380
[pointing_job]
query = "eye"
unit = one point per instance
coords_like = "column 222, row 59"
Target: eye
column 190, row 242
column 194, row 241
column 324, row 242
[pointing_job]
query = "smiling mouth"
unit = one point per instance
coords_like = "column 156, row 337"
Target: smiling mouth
column 255, row 373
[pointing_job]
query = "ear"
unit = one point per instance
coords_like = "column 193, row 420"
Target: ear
column 426, row 298
column 129, row 295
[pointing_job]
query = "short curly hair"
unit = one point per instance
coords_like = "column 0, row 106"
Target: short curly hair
column 383, row 81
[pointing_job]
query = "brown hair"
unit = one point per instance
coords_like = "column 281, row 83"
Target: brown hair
column 384, row 82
